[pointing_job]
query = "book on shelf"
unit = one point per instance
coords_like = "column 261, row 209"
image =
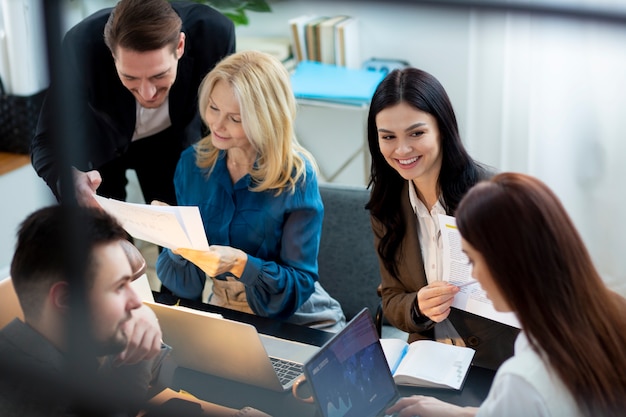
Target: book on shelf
column 427, row 363
column 457, row 270
column 347, row 44
column 297, row 27
column 327, row 38
column 317, row 81
column 330, row 40
column 313, row 39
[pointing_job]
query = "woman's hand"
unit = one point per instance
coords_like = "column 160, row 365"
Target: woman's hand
column 217, row 260
column 419, row 405
column 435, row 299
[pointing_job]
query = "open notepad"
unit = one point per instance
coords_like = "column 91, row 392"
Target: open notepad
column 426, row 363
column 172, row 227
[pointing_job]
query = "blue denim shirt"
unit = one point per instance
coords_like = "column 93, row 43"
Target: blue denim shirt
column 280, row 234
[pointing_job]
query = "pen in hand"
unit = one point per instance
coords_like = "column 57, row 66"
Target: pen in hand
column 466, row 283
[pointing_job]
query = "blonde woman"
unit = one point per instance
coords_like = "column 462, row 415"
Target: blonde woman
column 259, row 200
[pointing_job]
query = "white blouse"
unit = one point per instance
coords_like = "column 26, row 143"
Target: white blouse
column 431, row 245
column 525, row 386
column 429, row 235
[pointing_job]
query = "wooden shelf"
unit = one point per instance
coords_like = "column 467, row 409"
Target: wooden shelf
column 12, row 161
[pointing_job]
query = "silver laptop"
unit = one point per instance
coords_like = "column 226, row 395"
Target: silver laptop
column 349, row 376
column 208, row 343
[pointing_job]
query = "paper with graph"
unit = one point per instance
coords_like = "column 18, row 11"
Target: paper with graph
column 168, row 226
column 458, row 271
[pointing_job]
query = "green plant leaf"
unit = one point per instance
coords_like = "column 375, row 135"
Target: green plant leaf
column 235, row 10
column 237, row 16
column 252, row 5
column 258, row 6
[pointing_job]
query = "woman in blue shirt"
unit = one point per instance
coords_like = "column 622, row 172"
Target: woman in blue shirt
column 257, row 191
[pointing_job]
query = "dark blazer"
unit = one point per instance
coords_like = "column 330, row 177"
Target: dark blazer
column 493, row 341
column 107, row 108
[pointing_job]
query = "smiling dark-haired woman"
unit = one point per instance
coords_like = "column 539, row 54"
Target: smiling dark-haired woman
column 420, row 169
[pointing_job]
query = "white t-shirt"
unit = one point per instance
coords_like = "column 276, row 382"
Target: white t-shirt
column 151, row 121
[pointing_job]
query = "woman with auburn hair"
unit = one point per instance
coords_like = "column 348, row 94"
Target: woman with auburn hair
column 569, row 358
column 420, row 169
column 257, row 191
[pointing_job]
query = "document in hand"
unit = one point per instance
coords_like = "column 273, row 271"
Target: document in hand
column 458, row 271
column 168, row 226
column 426, row 363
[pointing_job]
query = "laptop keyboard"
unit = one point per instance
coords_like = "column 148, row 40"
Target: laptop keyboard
column 286, row 370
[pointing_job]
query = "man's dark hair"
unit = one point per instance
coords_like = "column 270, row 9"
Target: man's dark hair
column 39, row 261
column 142, row 25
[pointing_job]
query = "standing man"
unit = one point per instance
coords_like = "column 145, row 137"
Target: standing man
column 137, row 69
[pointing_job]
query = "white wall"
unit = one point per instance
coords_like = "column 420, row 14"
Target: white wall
column 22, row 192
column 22, row 47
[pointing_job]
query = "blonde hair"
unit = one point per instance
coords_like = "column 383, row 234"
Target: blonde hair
column 262, row 88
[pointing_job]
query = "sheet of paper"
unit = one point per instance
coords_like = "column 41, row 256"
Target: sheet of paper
column 457, row 270
column 168, row 226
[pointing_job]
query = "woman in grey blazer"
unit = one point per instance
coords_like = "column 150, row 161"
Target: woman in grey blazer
column 420, row 169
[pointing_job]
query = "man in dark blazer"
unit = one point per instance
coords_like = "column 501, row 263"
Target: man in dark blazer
column 136, row 69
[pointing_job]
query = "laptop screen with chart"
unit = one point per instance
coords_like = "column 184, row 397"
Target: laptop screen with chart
column 349, row 376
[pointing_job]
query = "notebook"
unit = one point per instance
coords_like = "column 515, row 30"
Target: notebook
column 208, row 343
column 349, row 376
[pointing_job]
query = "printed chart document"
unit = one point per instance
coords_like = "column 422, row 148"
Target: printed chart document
column 426, row 363
column 172, row 227
column 457, row 270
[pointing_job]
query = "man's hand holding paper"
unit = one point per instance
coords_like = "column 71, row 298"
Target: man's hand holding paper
column 85, row 186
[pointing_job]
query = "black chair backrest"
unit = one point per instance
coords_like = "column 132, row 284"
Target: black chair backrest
column 348, row 265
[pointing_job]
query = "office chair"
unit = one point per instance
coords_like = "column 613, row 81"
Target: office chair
column 347, row 261
column 10, row 304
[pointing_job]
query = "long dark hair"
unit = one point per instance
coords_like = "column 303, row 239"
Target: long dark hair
column 543, row 270
column 458, row 172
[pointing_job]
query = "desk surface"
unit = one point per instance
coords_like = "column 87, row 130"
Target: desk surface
column 12, row 161
column 237, row 395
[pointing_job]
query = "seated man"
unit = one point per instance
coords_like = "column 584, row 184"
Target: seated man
column 102, row 356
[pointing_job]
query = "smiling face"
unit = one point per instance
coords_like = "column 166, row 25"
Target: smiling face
column 149, row 75
column 224, row 119
column 482, row 274
column 111, row 297
column 409, row 141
